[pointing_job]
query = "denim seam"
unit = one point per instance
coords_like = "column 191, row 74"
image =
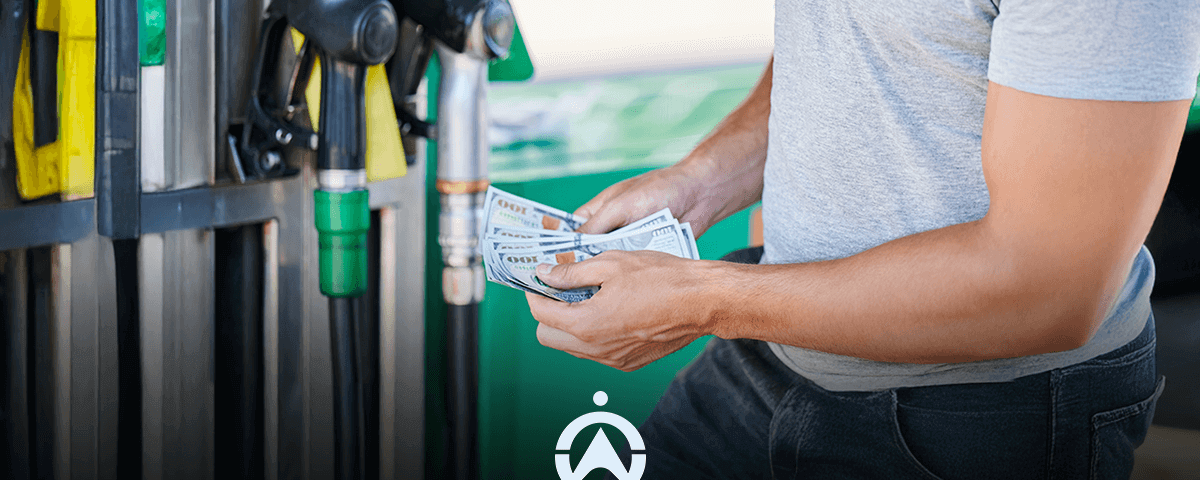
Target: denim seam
column 1055, row 376
column 900, row 444
column 1119, row 414
column 775, row 418
column 1128, row 358
column 971, row 414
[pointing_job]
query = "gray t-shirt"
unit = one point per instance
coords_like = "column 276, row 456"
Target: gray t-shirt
column 876, row 120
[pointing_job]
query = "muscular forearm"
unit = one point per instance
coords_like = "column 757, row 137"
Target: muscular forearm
column 728, row 163
column 947, row 295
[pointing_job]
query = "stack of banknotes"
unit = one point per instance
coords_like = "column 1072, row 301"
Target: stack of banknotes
column 519, row 234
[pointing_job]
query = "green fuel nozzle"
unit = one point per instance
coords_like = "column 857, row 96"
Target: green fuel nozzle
column 342, row 219
column 347, row 35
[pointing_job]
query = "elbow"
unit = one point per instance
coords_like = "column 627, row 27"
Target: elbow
column 1071, row 331
column 1056, row 313
column 1070, row 321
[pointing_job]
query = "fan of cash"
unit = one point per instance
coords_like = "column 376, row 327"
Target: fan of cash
column 519, row 234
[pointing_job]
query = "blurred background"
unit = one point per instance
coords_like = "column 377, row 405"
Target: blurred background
column 633, row 87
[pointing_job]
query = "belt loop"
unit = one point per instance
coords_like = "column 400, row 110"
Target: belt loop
column 1055, row 384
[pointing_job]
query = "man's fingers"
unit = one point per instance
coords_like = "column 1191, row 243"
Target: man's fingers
column 602, row 215
column 589, row 209
column 605, row 221
column 567, row 276
column 551, row 313
column 557, row 339
column 596, row 204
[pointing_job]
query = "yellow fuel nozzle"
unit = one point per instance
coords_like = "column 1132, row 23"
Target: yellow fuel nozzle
column 66, row 165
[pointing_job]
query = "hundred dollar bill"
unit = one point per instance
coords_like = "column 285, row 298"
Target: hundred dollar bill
column 520, row 265
column 518, row 234
column 662, row 238
column 661, row 217
column 522, row 268
column 501, row 275
column 515, row 238
column 509, row 233
column 503, row 208
column 509, row 239
column 690, row 240
column 503, row 233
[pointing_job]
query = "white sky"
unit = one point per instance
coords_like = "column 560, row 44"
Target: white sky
column 573, row 38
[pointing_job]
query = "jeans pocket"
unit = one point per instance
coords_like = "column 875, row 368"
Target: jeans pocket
column 901, row 444
column 974, row 445
column 1116, row 433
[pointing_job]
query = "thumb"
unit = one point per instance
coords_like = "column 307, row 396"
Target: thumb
column 604, row 221
column 570, row 275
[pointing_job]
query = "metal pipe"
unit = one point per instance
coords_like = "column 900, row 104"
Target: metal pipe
column 462, row 169
column 462, row 181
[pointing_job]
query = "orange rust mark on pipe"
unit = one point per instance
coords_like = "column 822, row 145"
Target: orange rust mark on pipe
column 451, row 187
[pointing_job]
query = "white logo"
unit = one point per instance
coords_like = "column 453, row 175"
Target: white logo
column 600, row 453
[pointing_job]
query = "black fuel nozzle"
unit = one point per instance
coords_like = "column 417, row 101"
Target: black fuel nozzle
column 451, row 21
column 355, row 31
column 456, row 24
column 348, row 36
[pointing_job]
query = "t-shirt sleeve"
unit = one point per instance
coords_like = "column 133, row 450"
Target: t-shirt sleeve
column 1147, row 50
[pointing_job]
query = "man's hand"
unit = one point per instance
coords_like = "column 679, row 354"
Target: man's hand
column 639, row 315
column 720, row 177
column 637, row 197
column 650, row 304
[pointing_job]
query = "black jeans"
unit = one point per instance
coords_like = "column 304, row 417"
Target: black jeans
column 738, row 412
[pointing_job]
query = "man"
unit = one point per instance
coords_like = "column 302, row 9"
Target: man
column 955, row 194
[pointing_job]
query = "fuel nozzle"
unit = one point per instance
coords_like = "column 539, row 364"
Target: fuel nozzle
column 348, row 35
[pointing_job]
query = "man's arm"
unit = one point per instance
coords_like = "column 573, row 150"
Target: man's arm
column 1074, row 186
column 720, row 177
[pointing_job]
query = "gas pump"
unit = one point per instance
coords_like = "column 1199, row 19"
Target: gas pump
column 348, row 36
column 189, row 243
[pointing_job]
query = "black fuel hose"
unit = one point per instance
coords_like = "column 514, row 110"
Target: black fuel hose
column 348, row 420
column 129, row 360
column 462, row 396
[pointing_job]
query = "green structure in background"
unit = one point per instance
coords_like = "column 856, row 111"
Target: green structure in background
column 1193, row 121
column 571, row 128
column 152, row 31
column 529, row 393
column 561, row 143
column 517, row 67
